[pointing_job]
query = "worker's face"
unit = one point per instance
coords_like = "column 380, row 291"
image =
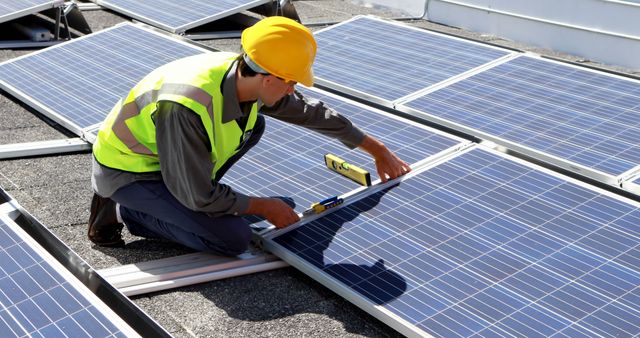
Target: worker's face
column 274, row 89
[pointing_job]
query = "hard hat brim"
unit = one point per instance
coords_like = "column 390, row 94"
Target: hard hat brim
column 308, row 79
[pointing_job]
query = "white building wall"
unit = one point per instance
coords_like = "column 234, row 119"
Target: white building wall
column 605, row 31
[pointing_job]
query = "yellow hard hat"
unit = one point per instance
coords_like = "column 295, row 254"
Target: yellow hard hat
column 282, row 47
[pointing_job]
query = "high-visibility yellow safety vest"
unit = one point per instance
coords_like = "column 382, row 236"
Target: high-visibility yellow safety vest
column 127, row 138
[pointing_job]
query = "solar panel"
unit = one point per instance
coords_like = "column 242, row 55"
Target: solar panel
column 78, row 82
column 39, row 298
column 13, row 9
column 383, row 61
column 289, row 160
column 582, row 120
column 179, row 16
column 481, row 245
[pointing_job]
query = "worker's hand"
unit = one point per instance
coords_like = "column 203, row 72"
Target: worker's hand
column 275, row 210
column 388, row 164
column 279, row 213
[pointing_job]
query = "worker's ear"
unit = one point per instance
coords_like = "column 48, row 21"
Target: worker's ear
column 267, row 79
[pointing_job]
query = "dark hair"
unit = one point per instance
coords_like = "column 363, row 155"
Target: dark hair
column 245, row 70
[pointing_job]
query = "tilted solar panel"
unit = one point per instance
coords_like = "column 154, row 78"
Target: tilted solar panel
column 13, row 9
column 39, row 298
column 384, row 61
column 583, row 120
column 481, row 245
column 78, row 82
column 289, row 160
column 179, row 16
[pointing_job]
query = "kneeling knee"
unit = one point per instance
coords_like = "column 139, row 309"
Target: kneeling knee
column 237, row 247
column 239, row 242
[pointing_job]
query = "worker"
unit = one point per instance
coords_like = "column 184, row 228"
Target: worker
column 162, row 150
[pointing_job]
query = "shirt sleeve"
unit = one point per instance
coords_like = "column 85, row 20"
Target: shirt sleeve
column 185, row 163
column 313, row 114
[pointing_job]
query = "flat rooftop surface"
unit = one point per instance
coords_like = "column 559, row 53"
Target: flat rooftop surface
column 280, row 303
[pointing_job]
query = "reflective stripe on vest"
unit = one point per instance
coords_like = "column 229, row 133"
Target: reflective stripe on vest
column 134, row 107
column 126, row 140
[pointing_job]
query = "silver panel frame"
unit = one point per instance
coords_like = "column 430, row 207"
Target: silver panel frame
column 177, row 271
column 328, row 84
column 88, row 132
column 27, row 44
column 31, row 10
column 505, row 145
column 378, row 311
column 38, row 148
column 183, row 28
column 632, row 184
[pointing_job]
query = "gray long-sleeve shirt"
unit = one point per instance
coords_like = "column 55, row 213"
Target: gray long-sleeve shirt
column 184, row 148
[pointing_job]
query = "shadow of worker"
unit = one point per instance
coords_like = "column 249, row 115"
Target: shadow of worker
column 333, row 237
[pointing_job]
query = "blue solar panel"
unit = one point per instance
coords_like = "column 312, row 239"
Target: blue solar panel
column 78, row 82
column 10, row 10
column 38, row 298
column 388, row 61
column 579, row 116
column 289, row 160
column 481, row 245
column 178, row 16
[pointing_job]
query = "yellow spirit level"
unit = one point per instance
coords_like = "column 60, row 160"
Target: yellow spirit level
column 338, row 165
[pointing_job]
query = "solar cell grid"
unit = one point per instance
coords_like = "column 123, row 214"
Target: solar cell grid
column 388, row 61
column 39, row 298
column 481, row 245
column 290, row 160
column 178, row 16
column 10, row 10
column 78, row 82
column 577, row 116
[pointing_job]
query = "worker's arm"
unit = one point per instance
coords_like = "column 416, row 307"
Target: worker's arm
column 388, row 164
column 315, row 115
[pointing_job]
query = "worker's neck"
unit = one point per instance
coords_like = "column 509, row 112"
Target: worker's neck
column 247, row 87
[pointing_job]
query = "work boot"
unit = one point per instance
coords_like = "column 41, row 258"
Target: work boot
column 104, row 229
